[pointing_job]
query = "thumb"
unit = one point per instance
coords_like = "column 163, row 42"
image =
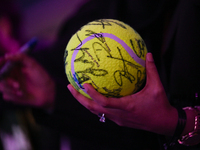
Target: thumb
column 151, row 70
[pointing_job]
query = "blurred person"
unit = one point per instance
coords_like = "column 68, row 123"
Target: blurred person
column 17, row 127
column 164, row 26
column 12, row 132
column 9, row 25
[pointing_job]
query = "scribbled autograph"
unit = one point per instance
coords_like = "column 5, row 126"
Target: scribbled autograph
column 82, row 76
column 140, row 45
column 106, row 22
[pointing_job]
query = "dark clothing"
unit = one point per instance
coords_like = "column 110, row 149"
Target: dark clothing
column 177, row 63
column 181, row 52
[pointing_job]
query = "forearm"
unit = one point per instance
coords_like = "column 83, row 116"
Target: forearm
column 182, row 127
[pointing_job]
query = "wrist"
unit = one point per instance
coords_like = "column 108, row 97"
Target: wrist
column 187, row 131
column 190, row 113
column 180, row 126
column 192, row 136
column 167, row 122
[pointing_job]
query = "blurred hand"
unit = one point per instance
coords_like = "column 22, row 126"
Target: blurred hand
column 28, row 83
column 7, row 44
column 147, row 109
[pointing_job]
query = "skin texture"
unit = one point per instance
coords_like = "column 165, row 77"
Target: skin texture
column 148, row 109
column 28, row 83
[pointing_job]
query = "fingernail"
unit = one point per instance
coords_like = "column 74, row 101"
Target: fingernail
column 69, row 87
column 150, row 57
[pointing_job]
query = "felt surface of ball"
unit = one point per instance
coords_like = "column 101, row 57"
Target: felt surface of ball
column 108, row 54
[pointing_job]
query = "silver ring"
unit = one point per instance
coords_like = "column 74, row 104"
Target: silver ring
column 102, row 118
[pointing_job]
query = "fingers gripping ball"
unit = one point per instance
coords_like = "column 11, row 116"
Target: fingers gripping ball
column 109, row 55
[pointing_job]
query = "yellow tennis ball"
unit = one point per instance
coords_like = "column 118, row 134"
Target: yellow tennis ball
column 108, row 54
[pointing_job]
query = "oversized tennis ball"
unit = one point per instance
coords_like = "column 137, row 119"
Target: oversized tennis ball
column 108, row 54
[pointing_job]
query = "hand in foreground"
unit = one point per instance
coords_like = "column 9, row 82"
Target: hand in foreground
column 147, row 109
column 28, row 83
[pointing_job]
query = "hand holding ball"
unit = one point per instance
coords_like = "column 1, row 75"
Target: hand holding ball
column 109, row 55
